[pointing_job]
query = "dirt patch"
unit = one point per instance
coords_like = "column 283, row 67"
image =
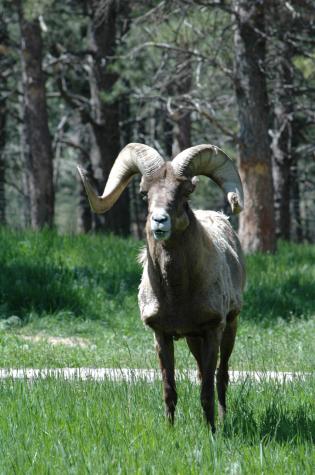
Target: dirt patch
column 58, row 340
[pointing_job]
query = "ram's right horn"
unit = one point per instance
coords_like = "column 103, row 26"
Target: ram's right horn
column 133, row 159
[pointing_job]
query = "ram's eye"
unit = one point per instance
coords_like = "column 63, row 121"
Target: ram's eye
column 144, row 195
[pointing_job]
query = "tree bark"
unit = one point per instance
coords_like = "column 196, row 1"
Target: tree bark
column 295, row 201
column 281, row 144
column 25, row 161
column 257, row 225
column 3, row 115
column 168, row 132
column 105, row 127
column 138, row 207
column 39, row 158
column 84, row 222
column 2, row 161
column 182, row 133
column 182, row 117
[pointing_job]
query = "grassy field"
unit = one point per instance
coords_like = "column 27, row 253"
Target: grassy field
column 75, row 299
column 97, row 428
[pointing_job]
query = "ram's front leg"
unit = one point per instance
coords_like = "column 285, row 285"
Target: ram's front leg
column 165, row 351
column 210, row 350
column 226, row 348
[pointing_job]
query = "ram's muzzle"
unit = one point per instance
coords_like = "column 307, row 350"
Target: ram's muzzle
column 160, row 222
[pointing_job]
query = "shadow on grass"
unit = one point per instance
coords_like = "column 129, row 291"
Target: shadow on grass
column 277, row 420
column 44, row 273
column 111, row 280
column 280, row 285
column 25, row 288
column 269, row 301
column 49, row 288
column 287, row 427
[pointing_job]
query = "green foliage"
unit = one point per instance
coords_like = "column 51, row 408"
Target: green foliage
column 306, row 66
column 34, row 8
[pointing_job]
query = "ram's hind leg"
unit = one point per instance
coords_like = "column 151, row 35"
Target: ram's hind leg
column 195, row 346
column 226, row 348
column 165, row 351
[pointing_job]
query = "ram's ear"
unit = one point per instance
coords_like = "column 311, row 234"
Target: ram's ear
column 190, row 185
column 194, row 181
column 143, row 186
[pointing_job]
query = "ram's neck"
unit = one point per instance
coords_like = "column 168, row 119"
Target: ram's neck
column 173, row 264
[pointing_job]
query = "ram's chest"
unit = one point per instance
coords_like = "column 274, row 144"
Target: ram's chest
column 177, row 305
column 173, row 280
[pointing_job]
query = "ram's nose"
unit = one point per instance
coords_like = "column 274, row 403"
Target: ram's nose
column 160, row 216
column 160, row 224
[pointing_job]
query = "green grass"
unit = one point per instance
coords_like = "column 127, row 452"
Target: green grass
column 86, row 286
column 282, row 346
column 86, row 427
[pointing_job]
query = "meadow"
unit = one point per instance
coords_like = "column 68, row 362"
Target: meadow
column 71, row 301
column 87, row 427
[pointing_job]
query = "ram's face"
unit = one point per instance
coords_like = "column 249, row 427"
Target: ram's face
column 167, row 197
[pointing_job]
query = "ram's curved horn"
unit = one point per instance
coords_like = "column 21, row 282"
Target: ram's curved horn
column 212, row 162
column 133, row 159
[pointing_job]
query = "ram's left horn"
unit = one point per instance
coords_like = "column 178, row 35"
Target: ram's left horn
column 211, row 161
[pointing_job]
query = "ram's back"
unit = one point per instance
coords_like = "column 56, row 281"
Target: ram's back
column 229, row 253
column 220, row 231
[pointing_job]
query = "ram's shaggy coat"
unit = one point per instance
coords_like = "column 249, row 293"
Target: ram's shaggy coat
column 197, row 282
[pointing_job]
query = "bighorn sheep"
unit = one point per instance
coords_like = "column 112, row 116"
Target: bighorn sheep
column 193, row 268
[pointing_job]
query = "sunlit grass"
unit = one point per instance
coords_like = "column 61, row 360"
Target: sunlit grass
column 284, row 346
column 86, row 427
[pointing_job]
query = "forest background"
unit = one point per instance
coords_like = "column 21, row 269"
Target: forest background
column 82, row 78
column 79, row 79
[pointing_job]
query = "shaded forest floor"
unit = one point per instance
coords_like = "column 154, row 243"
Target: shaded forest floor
column 76, row 302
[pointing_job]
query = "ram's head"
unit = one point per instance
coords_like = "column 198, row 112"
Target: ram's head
column 167, row 185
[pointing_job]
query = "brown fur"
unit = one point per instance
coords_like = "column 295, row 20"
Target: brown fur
column 191, row 287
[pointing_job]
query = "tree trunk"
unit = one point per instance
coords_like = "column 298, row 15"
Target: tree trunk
column 2, row 161
column 295, row 201
column 3, row 112
column 105, row 127
column 182, row 133
column 168, row 133
column 138, row 208
column 182, row 118
column 39, row 158
column 281, row 144
column 84, row 223
column 257, row 226
column 25, row 161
